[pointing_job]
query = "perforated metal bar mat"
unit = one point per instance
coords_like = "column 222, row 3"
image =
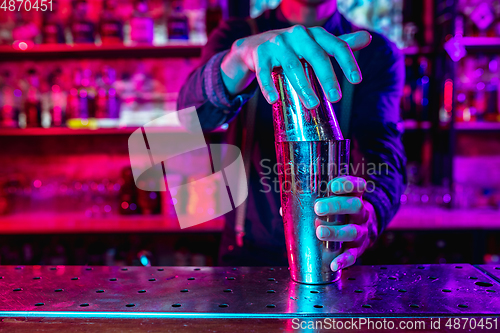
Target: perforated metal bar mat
column 221, row 292
column 492, row 270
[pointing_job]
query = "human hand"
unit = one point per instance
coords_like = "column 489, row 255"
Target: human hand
column 362, row 229
column 257, row 55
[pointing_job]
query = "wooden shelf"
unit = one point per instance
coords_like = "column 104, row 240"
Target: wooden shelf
column 78, row 223
column 63, row 51
column 431, row 218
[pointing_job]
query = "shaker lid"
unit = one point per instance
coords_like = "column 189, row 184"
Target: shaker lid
column 293, row 121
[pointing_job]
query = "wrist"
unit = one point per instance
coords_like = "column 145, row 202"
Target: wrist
column 236, row 75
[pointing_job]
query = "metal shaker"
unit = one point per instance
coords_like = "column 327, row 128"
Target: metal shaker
column 310, row 152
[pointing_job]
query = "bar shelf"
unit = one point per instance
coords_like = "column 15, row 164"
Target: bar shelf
column 71, row 223
column 64, row 51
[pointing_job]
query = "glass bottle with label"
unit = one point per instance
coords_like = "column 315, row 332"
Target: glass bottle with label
column 82, row 29
column 213, row 15
column 52, row 28
column 8, row 107
column 32, row 106
column 141, row 24
column 178, row 23
column 110, row 26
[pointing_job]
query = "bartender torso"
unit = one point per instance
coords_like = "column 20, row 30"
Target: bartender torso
column 220, row 90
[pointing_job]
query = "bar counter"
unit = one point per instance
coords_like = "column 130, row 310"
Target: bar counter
column 225, row 299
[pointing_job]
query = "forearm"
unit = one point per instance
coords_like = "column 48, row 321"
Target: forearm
column 206, row 91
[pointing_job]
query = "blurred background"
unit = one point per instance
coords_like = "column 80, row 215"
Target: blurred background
column 78, row 79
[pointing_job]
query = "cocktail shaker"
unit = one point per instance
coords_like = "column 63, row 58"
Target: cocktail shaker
column 310, row 152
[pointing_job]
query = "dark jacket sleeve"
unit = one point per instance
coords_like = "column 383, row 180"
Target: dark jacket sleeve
column 204, row 88
column 377, row 129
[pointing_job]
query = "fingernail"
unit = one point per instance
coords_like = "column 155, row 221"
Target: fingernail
column 355, row 77
column 324, row 232
column 334, row 266
column 273, row 97
column 321, row 208
column 312, row 101
column 334, row 95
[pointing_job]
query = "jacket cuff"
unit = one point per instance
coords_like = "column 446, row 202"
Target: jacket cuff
column 382, row 206
column 217, row 92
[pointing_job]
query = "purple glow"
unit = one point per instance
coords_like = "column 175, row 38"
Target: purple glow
column 152, row 195
column 480, row 85
column 17, row 93
column 446, row 198
column 461, row 97
column 404, row 199
column 107, row 208
column 133, row 206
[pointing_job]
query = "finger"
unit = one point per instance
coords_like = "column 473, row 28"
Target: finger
column 340, row 48
column 347, row 185
column 341, row 233
column 323, row 69
column 338, row 205
column 264, row 78
column 345, row 259
column 304, row 45
column 294, row 71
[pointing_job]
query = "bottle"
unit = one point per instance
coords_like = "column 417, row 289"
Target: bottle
column 141, row 24
column 110, row 27
column 128, row 193
column 107, row 104
column 52, row 28
column 213, row 15
column 57, row 99
column 82, row 30
column 8, row 107
column 178, row 23
column 32, row 105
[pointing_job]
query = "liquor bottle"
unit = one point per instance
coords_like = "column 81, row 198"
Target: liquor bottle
column 110, row 26
column 178, row 23
column 113, row 100
column 57, row 99
column 8, row 108
column 128, row 195
column 52, row 28
column 32, row 105
column 107, row 104
column 82, row 29
column 141, row 24
column 213, row 15
column 72, row 108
